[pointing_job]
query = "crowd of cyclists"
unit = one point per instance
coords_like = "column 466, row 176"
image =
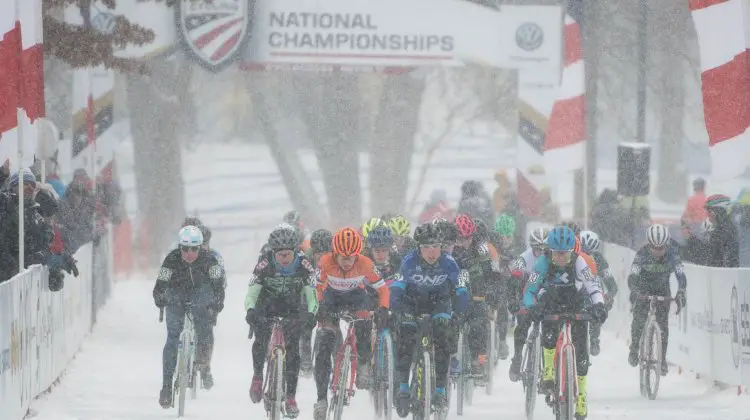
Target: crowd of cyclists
column 461, row 272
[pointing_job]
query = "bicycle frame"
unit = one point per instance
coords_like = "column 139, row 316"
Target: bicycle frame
column 349, row 340
column 565, row 342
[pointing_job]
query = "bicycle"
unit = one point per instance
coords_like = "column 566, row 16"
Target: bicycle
column 563, row 401
column 650, row 349
column 461, row 374
column 423, row 373
column 383, row 367
column 186, row 372
column 344, row 369
column 531, row 364
column 274, row 384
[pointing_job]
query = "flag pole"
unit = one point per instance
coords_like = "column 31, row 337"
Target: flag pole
column 21, row 236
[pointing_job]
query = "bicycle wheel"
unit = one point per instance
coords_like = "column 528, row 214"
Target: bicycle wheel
column 459, row 378
column 566, row 379
column 643, row 345
column 490, row 364
column 387, row 366
column 423, row 387
column 654, row 357
column 466, row 373
column 182, row 379
column 193, row 382
column 342, row 384
column 277, row 388
column 530, row 376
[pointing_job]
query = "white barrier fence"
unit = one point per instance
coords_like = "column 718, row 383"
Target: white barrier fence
column 40, row 331
column 711, row 336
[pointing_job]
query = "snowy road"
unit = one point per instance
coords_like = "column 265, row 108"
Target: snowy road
column 117, row 376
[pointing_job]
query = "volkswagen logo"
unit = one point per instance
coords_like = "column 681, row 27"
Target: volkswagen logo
column 529, row 36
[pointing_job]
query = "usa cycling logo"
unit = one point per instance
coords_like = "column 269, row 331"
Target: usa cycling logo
column 426, row 280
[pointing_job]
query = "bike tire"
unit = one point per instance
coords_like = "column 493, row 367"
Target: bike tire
column 338, row 401
column 466, row 372
column 389, row 366
column 427, row 386
column 278, row 384
column 643, row 360
column 530, row 376
column 459, row 378
column 655, row 361
column 566, row 372
column 182, row 380
column 193, row 378
column 490, row 365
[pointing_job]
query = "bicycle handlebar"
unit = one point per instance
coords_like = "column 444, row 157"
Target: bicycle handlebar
column 568, row 317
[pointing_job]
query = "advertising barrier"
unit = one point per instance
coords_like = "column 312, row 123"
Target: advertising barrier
column 41, row 331
column 711, row 336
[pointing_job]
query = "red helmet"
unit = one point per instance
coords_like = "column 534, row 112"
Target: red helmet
column 466, row 226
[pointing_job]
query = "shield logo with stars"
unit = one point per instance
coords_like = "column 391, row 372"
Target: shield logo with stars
column 214, row 31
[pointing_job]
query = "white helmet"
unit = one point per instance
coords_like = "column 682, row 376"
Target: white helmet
column 589, row 241
column 190, row 236
column 538, row 237
column 658, row 235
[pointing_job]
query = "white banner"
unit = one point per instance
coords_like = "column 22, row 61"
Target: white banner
column 393, row 33
column 42, row 331
column 711, row 336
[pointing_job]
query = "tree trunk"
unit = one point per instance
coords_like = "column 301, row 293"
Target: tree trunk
column 393, row 143
column 268, row 96
column 671, row 186
column 156, row 112
column 330, row 109
column 591, row 28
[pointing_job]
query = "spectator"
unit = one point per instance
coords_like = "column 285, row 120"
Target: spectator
column 436, row 207
column 37, row 232
column 608, row 219
column 76, row 216
column 475, row 202
column 741, row 218
column 723, row 244
column 692, row 221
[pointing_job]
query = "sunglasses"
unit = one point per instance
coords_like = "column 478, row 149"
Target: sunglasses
column 189, row 248
column 430, row 246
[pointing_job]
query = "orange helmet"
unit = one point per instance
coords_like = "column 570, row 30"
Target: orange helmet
column 347, row 242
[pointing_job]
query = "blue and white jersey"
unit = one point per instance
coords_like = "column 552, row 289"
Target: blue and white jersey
column 420, row 284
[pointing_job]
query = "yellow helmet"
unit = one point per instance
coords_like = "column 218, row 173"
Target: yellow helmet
column 371, row 224
column 400, row 226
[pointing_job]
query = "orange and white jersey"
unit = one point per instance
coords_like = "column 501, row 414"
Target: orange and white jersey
column 362, row 274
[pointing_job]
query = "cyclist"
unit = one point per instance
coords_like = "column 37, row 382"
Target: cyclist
column 723, row 243
column 403, row 243
column 344, row 275
column 449, row 234
column 320, row 244
column 370, row 224
column 378, row 247
column 649, row 276
column 521, row 269
column 429, row 283
column 590, row 245
column 504, row 236
column 266, row 247
column 552, row 289
column 281, row 282
column 190, row 278
column 472, row 255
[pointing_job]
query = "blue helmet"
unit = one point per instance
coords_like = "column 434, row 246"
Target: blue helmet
column 380, row 236
column 561, row 238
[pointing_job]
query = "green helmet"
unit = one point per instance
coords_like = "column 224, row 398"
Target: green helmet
column 505, row 225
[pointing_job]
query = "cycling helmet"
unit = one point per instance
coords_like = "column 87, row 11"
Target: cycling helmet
column 192, row 221
column 538, row 237
column 380, row 237
column 190, row 236
column 370, row 225
column 292, row 217
column 466, row 226
column 658, row 235
column 482, row 233
column 283, row 239
column 400, row 226
column 447, row 230
column 428, row 234
column 347, row 242
column 320, row 240
column 589, row 241
column 505, row 225
column 561, row 238
column 573, row 226
column 717, row 201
